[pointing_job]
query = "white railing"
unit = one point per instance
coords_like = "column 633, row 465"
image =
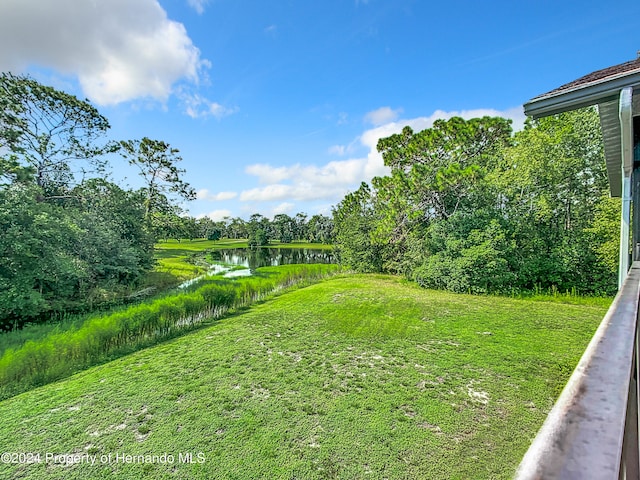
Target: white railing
column 592, row 430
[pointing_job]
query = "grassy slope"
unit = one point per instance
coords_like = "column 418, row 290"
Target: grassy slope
column 379, row 379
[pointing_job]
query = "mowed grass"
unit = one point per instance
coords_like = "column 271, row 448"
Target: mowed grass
column 356, row 377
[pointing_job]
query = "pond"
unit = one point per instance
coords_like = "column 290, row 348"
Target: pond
column 240, row 262
column 270, row 257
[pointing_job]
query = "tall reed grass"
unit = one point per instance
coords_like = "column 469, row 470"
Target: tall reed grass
column 61, row 353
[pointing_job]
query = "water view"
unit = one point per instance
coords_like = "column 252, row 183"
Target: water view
column 242, row 262
column 270, row 257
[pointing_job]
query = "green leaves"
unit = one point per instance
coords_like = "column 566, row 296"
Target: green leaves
column 49, row 130
column 469, row 207
column 69, row 244
column 156, row 161
column 355, row 219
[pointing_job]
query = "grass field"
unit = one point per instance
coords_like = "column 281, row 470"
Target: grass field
column 356, row 377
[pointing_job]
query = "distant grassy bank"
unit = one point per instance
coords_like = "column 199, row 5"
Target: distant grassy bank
column 360, row 376
column 174, row 257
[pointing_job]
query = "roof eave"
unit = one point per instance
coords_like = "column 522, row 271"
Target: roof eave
column 579, row 97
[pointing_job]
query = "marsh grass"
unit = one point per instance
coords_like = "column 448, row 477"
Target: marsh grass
column 358, row 376
column 73, row 346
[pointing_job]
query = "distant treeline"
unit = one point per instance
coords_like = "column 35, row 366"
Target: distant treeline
column 470, row 207
column 259, row 230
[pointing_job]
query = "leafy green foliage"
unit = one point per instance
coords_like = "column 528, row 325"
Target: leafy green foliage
column 466, row 259
column 69, row 256
column 259, row 231
column 354, row 219
column 156, row 161
column 285, row 228
column 48, row 130
column 320, row 229
column 35, row 246
column 471, row 208
column 67, row 245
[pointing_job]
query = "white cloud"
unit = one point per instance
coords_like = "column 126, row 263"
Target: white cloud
column 304, row 182
column 216, row 215
column 337, row 149
column 197, row 106
column 267, row 173
column 285, row 207
column 205, row 194
column 198, row 5
column 119, row 50
column 279, row 192
column 330, row 182
column 341, row 172
column 271, row 30
column 382, row 115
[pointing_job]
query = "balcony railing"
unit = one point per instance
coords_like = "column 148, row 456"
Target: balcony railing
column 592, row 430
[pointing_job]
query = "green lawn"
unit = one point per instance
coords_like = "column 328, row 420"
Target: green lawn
column 356, row 377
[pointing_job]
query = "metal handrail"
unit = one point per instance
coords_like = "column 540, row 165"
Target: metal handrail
column 592, row 430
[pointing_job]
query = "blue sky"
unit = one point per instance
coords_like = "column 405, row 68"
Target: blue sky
column 276, row 105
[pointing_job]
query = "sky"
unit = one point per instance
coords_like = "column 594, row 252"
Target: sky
column 276, row 106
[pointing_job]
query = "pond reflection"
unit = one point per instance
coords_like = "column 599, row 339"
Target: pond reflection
column 271, row 257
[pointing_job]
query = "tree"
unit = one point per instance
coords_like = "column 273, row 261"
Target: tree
column 156, row 161
column 320, row 229
column 49, row 130
column 301, row 225
column 37, row 264
column 259, row 231
column 553, row 179
column 439, row 167
column 355, row 219
column 166, row 220
column 209, row 229
column 67, row 244
column 237, row 228
column 435, row 174
column 604, row 238
column 284, row 227
column 12, row 172
column 469, row 207
column 63, row 256
column 112, row 244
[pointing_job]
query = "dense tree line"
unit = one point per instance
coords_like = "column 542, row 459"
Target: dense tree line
column 470, row 207
column 258, row 230
column 70, row 238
